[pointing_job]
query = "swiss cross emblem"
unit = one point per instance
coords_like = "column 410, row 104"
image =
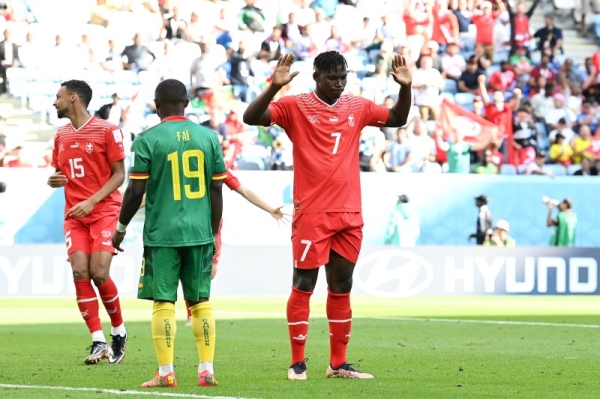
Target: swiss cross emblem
column 89, row 147
column 314, row 119
column 61, row 147
column 351, row 120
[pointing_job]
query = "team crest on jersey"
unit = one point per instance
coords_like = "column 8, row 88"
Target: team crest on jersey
column 314, row 119
column 351, row 120
column 61, row 147
column 89, row 147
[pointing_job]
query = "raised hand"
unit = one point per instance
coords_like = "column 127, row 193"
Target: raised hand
column 400, row 71
column 282, row 75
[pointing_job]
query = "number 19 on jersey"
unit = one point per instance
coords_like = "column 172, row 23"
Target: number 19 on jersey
column 192, row 162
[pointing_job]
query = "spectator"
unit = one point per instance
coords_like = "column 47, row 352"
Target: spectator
column 371, row 148
column 113, row 61
column 499, row 113
column 403, row 227
column 215, row 123
column 594, row 149
column 567, row 75
column 521, row 22
column 484, row 21
column 484, row 219
column 174, row 26
column 559, row 111
column 137, row 57
column 112, row 112
column 478, row 106
column 549, row 36
column 497, row 157
column 543, row 70
column 206, row 72
column 321, row 29
column 542, row 101
column 400, row 153
column 422, row 146
column 538, row 166
column 502, row 79
column 241, row 73
column 427, row 83
column 565, row 224
column 31, row 54
column 441, row 145
column 586, row 169
column 562, row 128
column 273, row 46
column 459, row 153
column 366, row 35
column 305, row 15
column 502, row 37
column 392, row 29
column 560, row 151
column 453, row 64
column 581, row 145
column 195, row 30
column 251, row 17
column 335, row 41
column 463, row 15
column 291, row 30
column 445, row 27
column 486, row 165
column 469, row 79
column 9, row 58
column 483, row 61
column 225, row 26
column 499, row 236
column 521, row 63
column 588, row 116
column 524, row 137
column 574, row 99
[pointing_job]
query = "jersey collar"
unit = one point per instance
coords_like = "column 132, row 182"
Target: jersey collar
column 174, row 118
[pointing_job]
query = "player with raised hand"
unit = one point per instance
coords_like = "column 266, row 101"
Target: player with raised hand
column 325, row 128
column 89, row 160
column 179, row 165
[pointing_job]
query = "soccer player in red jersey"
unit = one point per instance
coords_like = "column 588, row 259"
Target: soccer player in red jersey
column 89, row 160
column 234, row 184
column 325, row 128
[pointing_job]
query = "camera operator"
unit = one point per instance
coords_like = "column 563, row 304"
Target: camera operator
column 499, row 236
column 484, row 219
column 565, row 223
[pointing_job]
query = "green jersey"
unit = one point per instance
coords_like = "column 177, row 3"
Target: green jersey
column 180, row 159
column 564, row 236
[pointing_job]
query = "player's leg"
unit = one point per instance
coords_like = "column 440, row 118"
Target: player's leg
column 78, row 248
column 159, row 280
column 345, row 248
column 310, row 248
column 102, row 253
column 196, row 282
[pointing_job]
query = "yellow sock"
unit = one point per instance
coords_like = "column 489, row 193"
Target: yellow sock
column 203, row 326
column 163, row 331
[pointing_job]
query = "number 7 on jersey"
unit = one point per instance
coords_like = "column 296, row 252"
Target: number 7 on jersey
column 337, row 136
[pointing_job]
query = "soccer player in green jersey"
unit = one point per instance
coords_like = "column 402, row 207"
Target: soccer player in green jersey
column 565, row 224
column 179, row 165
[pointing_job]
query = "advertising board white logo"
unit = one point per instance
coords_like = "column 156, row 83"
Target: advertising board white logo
column 393, row 274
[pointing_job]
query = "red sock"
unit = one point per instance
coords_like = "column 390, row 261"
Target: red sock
column 187, row 307
column 298, row 310
column 339, row 315
column 88, row 304
column 110, row 299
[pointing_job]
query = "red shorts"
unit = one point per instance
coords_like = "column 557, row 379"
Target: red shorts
column 216, row 258
column 315, row 234
column 92, row 233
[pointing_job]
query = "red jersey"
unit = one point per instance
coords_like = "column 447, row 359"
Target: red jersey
column 522, row 35
column 547, row 73
column 485, row 28
column 231, row 181
column 502, row 80
column 84, row 157
column 443, row 27
column 325, row 148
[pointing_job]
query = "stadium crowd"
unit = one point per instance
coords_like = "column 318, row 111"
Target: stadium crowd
column 536, row 111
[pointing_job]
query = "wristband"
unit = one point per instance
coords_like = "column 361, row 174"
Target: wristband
column 121, row 227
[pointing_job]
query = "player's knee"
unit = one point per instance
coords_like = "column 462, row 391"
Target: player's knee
column 304, row 282
column 80, row 274
column 341, row 286
column 99, row 276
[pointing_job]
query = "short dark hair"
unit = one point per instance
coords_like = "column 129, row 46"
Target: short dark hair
column 83, row 90
column 328, row 61
column 171, row 91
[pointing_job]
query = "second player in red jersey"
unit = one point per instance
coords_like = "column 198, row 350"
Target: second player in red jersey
column 89, row 160
column 325, row 128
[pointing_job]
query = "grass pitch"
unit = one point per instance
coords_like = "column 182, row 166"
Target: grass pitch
column 452, row 347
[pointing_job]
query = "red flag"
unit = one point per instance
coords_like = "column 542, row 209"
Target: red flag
column 475, row 128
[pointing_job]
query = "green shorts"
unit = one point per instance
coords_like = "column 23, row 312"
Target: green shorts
column 163, row 268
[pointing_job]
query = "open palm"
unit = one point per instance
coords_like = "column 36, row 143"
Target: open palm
column 400, row 71
column 282, row 75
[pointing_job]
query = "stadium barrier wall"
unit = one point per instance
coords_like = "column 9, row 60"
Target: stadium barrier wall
column 32, row 213
column 42, row 270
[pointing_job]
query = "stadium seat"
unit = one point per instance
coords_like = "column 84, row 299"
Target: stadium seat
column 556, row 169
column 508, row 169
column 250, row 164
column 447, row 96
column 125, row 77
column 151, row 78
column 451, row 86
column 536, row 57
column 572, row 169
column 432, row 167
column 522, row 169
column 464, row 99
column 186, row 52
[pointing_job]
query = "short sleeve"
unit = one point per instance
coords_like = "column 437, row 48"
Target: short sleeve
column 282, row 111
column 219, row 170
column 373, row 114
column 114, row 145
column 231, row 181
column 140, row 159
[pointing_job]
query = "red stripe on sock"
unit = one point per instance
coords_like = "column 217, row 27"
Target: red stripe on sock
column 187, row 307
column 88, row 304
column 339, row 314
column 112, row 304
column 298, row 310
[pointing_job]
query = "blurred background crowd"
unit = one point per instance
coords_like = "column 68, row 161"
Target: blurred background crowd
column 499, row 87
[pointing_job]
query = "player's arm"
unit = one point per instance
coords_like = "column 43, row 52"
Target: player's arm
column 549, row 221
column 216, row 202
column 257, row 113
column 132, row 200
column 117, row 178
column 398, row 114
column 255, row 200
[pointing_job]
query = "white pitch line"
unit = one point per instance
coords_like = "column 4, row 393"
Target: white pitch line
column 119, row 392
column 475, row 321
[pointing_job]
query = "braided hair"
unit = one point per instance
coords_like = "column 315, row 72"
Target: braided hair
column 329, row 61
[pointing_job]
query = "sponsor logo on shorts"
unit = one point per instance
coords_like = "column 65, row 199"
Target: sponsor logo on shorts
column 106, row 242
column 106, row 234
